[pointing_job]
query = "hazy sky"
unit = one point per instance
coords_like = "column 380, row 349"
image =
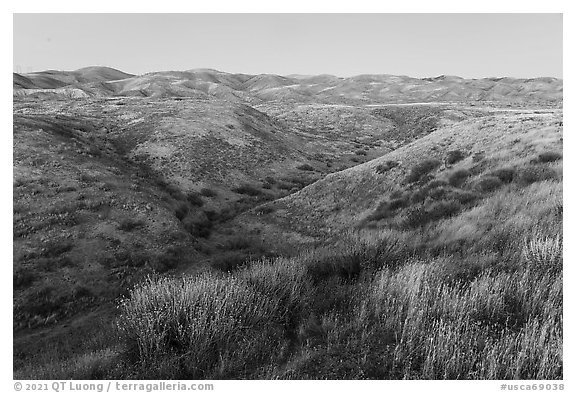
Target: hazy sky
column 468, row 45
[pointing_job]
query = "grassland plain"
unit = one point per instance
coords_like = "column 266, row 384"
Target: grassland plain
column 438, row 256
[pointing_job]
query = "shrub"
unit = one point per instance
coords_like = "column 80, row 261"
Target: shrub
column 56, row 248
column 283, row 185
column 549, row 156
column 167, row 261
column 458, row 177
column 382, row 211
column 398, row 203
column 285, row 280
column 194, row 199
column 181, row 211
column 247, row 189
column 229, row 260
column 453, row 156
column 173, row 191
column 211, row 215
column 300, row 181
column 201, row 227
column 464, row 197
column 506, row 175
column 23, row 277
column 129, row 224
column 360, row 152
column 543, row 252
column 436, row 183
column 264, row 209
column 536, row 173
column 239, row 242
column 422, row 215
column 488, row 184
column 385, row 167
column 439, row 193
column 200, row 327
column 422, row 168
column 305, row 167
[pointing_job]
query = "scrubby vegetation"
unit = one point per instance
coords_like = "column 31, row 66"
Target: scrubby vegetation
column 453, row 156
column 305, row 167
column 383, row 168
column 371, row 307
column 422, row 168
column 463, row 299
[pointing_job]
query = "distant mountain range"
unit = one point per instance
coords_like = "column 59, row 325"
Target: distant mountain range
column 254, row 89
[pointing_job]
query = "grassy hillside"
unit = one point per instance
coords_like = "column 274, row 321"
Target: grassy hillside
column 390, row 191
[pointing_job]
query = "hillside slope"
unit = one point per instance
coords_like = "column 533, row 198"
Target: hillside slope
column 347, row 199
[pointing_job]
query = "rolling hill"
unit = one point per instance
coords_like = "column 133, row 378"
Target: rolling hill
column 299, row 89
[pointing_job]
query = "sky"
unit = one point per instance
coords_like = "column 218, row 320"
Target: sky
column 418, row 45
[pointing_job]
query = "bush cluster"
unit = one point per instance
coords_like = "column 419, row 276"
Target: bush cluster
column 421, row 169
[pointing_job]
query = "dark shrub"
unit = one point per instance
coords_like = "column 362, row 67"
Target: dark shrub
column 436, row 183
column 181, row 211
column 382, row 211
column 129, row 224
column 247, row 189
column 285, row 185
column 194, row 199
column 439, row 193
column 488, row 184
column 208, row 192
column 360, row 152
column 535, row 174
column 458, row 177
column 386, row 209
column 398, row 203
column 126, row 258
column 443, row 209
column 422, row 168
column 239, row 242
column 354, row 159
column 422, row 215
column 211, row 215
column 464, row 197
column 305, row 167
column 549, row 156
column 229, row 261
column 23, row 277
column 300, row 181
column 170, row 259
column 173, row 191
column 453, row 156
column 385, row 167
column 56, row 248
column 199, row 228
column 270, row 180
column 419, row 195
column 264, row 209
column 506, row 175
